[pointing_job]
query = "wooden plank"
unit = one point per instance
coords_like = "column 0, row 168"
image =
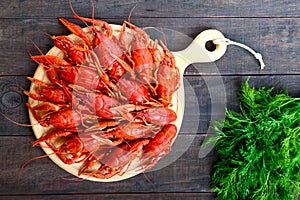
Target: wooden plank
column 278, row 40
column 202, row 92
column 12, row 106
column 269, row 27
column 16, row 38
column 154, row 8
column 158, row 196
column 212, row 98
column 42, row 176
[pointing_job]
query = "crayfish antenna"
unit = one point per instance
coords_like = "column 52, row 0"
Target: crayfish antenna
column 160, row 30
column 131, row 11
column 40, row 51
column 74, row 179
column 49, row 36
column 36, row 47
column 19, row 86
column 77, row 16
column 17, row 123
column 29, row 161
column 93, row 10
column 148, row 179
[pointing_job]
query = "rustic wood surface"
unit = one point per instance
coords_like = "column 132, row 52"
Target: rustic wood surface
column 270, row 27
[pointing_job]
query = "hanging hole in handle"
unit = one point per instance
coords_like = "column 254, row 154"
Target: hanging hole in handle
column 210, row 46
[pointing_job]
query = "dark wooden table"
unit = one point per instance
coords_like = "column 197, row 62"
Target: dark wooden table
column 268, row 26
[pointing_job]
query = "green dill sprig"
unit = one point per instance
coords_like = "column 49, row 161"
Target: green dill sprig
column 259, row 148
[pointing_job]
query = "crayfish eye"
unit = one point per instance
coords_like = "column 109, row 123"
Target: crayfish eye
column 61, row 68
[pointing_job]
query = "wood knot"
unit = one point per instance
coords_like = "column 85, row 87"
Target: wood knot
column 11, row 99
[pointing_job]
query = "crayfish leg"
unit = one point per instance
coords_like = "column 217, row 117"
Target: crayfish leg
column 50, row 135
column 44, row 106
column 49, row 60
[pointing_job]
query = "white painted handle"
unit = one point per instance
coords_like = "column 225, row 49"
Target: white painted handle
column 196, row 52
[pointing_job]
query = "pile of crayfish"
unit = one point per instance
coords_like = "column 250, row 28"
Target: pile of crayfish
column 107, row 98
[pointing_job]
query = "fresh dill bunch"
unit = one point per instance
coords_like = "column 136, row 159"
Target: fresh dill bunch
column 258, row 148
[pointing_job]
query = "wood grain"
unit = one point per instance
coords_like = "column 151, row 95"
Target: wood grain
column 153, row 8
column 44, row 176
column 270, row 27
column 158, row 196
column 278, row 40
column 12, row 106
column 199, row 93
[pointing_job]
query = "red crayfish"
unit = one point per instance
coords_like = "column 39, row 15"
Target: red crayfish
column 106, row 98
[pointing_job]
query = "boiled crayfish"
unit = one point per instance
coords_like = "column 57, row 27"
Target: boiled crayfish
column 107, row 98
